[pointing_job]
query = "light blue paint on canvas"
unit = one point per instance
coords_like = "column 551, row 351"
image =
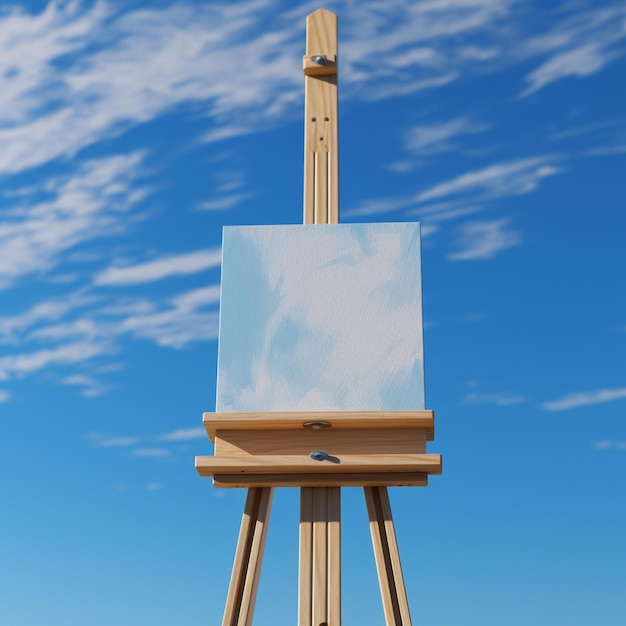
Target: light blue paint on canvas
column 321, row 317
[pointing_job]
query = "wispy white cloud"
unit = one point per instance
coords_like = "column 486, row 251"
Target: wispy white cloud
column 44, row 311
column 482, row 240
column 575, row 400
column 124, row 68
column 609, row 444
column 4, row 396
column 86, row 205
column 414, row 46
column 163, row 267
column 91, row 388
column 467, row 192
column 184, row 320
column 184, row 434
column 72, row 75
column 151, row 452
column 579, row 45
column 499, row 399
column 439, row 137
column 117, row 442
column 29, row 362
column 507, row 178
column 87, row 331
column 224, row 202
column 582, row 61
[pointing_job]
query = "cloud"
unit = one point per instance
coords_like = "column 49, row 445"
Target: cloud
column 608, row 444
column 184, row 320
column 117, row 442
column 163, row 267
column 4, row 396
column 436, row 138
column 64, row 354
column 575, row 400
column 73, row 75
column 224, row 202
column 50, row 335
column 581, row 62
column 509, row 178
column 414, row 46
column 499, row 399
column 86, row 205
column 76, row 75
column 151, row 452
column 46, row 310
column 468, row 192
column 482, row 240
column 184, row 434
column 91, row 387
column 579, row 45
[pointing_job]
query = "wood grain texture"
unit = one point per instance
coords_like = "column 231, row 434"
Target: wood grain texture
column 321, row 145
column 282, row 420
column 387, row 556
column 312, row 67
column 305, row 572
column 395, row 479
column 246, row 571
column 333, row 592
column 336, row 442
column 320, row 555
column 347, row 464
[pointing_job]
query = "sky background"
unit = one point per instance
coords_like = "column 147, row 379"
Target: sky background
column 131, row 132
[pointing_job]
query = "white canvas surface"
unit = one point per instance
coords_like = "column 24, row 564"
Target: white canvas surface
column 321, row 317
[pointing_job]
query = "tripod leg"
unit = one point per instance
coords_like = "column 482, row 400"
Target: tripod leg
column 319, row 597
column 387, row 557
column 244, row 579
column 334, row 556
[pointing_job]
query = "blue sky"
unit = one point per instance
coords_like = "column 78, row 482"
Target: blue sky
column 130, row 133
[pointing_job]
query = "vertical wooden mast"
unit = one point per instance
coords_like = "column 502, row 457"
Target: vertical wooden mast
column 321, row 145
column 319, row 583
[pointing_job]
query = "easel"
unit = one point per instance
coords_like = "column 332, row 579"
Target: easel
column 373, row 449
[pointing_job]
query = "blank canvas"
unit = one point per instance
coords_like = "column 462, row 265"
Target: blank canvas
column 321, row 317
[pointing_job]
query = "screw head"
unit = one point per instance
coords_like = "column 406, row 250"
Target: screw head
column 319, row 455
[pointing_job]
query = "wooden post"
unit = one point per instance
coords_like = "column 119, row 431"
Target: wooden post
column 319, row 584
column 387, row 557
column 244, row 580
column 321, row 154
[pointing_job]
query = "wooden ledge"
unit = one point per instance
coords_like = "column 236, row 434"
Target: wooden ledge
column 382, row 479
column 303, row 464
column 292, row 420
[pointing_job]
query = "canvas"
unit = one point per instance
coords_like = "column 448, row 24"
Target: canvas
column 321, row 317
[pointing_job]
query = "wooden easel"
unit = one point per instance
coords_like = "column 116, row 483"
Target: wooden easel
column 261, row 451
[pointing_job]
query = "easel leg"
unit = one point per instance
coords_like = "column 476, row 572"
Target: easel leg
column 244, row 579
column 387, row 557
column 319, row 594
